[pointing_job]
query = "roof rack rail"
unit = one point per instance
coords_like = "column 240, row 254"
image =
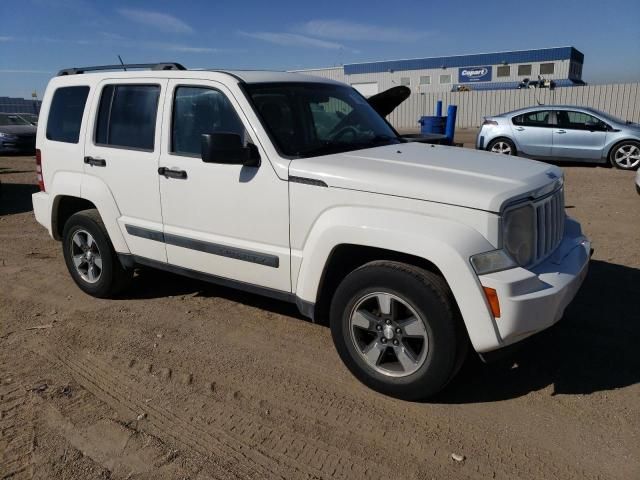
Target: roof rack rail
column 98, row 68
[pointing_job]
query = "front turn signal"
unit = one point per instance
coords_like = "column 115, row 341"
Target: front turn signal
column 492, row 298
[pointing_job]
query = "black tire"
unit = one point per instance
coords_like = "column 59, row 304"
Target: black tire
column 512, row 147
column 428, row 295
column 113, row 278
column 633, row 164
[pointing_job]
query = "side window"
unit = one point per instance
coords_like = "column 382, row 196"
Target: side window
column 538, row 118
column 65, row 114
column 127, row 116
column 198, row 111
column 578, row 120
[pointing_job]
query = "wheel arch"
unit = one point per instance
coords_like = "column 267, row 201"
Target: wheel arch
column 615, row 145
column 503, row 137
column 345, row 258
column 73, row 192
column 63, row 207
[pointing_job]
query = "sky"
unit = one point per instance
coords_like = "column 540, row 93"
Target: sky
column 39, row 37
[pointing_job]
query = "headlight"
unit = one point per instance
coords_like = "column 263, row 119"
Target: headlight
column 518, row 234
column 493, row 261
column 7, row 136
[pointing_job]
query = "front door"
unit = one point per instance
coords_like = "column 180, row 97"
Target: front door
column 121, row 157
column 578, row 136
column 231, row 221
column 533, row 133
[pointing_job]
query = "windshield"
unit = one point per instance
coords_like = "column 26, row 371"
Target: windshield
column 312, row 119
column 12, row 120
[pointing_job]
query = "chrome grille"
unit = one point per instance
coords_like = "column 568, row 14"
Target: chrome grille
column 550, row 224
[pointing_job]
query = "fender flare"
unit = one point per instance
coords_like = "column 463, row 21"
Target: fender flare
column 77, row 184
column 445, row 243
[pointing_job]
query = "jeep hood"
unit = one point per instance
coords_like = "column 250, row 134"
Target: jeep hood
column 451, row 175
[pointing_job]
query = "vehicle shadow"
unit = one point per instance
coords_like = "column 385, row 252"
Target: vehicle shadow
column 593, row 348
column 16, row 198
column 152, row 283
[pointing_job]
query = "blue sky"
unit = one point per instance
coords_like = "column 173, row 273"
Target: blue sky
column 38, row 37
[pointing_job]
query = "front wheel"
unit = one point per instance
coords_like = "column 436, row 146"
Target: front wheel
column 397, row 329
column 503, row 146
column 626, row 155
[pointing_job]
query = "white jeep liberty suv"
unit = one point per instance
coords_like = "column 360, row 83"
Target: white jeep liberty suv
column 297, row 188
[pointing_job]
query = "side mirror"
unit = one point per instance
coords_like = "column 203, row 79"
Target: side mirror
column 228, row 148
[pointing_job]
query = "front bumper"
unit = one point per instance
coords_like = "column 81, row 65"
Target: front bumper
column 532, row 300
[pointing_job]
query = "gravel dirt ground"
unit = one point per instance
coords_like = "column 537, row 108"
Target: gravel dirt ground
column 181, row 379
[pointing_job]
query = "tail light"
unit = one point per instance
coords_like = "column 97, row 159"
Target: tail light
column 489, row 123
column 39, row 170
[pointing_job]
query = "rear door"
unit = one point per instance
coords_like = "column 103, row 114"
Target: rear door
column 533, row 133
column 578, row 136
column 122, row 151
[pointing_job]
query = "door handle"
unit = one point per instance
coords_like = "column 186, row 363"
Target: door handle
column 561, row 131
column 95, row 162
column 169, row 173
column 520, row 129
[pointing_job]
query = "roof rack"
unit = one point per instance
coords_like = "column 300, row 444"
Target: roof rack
column 98, row 68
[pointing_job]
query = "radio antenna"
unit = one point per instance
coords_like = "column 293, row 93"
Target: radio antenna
column 122, row 63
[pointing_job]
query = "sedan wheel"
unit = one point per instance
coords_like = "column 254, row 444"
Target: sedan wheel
column 503, row 146
column 627, row 156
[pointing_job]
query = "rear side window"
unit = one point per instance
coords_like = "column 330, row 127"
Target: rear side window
column 65, row 114
column 127, row 116
column 539, row 118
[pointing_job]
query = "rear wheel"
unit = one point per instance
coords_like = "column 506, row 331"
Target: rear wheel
column 396, row 328
column 503, row 146
column 625, row 155
column 90, row 257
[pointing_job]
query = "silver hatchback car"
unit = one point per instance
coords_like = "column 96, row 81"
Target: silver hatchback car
column 565, row 133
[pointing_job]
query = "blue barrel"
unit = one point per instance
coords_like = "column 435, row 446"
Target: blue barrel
column 450, row 129
column 432, row 124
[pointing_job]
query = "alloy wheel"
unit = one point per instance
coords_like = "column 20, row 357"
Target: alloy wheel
column 627, row 156
column 86, row 256
column 388, row 334
column 501, row 147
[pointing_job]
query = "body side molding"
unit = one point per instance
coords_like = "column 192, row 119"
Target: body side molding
column 206, row 247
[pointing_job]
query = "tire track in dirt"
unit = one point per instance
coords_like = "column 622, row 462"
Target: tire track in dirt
column 259, row 450
column 17, row 433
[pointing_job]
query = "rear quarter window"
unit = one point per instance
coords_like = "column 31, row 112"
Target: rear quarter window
column 65, row 114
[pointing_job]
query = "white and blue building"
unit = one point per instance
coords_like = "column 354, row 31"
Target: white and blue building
column 481, row 71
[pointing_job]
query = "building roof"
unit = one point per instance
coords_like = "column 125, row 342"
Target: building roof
column 515, row 56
